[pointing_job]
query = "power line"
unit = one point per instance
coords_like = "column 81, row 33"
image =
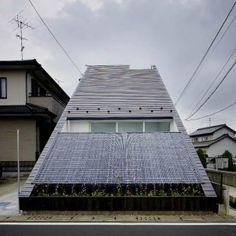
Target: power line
column 204, row 56
column 57, row 41
column 230, row 56
column 213, row 113
column 224, row 33
column 212, row 91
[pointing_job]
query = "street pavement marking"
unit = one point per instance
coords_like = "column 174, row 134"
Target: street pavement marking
column 118, row 223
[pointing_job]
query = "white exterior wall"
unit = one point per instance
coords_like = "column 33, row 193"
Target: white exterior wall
column 222, row 145
column 173, row 126
column 16, row 87
column 221, row 132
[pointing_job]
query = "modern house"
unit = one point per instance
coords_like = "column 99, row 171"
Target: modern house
column 31, row 101
column 119, row 136
column 214, row 140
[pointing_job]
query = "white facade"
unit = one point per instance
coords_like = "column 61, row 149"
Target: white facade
column 219, row 147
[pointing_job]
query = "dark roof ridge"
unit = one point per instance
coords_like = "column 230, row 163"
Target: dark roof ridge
column 210, row 130
column 213, row 126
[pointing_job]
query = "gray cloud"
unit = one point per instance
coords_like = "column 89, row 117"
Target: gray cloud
column 172, row 34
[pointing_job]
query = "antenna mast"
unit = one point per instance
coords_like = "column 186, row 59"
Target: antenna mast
column 209, row 121
column 21, row 24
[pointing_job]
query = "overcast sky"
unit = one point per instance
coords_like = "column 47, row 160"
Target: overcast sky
column 171, row 34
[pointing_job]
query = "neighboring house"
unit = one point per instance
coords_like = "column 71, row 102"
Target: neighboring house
column 214, row 140
column 120, row 126
column 31, row 101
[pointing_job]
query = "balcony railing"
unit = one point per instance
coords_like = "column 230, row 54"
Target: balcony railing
column 39, row 94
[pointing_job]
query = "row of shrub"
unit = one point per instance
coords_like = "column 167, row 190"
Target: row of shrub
column 119, row 190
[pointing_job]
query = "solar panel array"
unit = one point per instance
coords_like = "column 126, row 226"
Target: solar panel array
column 90, row 158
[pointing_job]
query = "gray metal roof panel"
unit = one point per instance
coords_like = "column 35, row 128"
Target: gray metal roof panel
column 136, row 157
column 107, row 90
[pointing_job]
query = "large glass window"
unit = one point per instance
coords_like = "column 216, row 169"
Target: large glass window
column 157, row 126
column 3, row 87
column 120, row 126
column 106, row 127
column 130, row 127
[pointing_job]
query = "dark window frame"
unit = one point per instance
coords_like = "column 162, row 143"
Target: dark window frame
column 37, row 90
column 3, row 78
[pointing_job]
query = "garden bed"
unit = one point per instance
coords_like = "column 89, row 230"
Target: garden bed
column 140, row 197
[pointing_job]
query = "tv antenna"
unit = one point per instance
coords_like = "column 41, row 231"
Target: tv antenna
column 21, row 25
column 209, row 121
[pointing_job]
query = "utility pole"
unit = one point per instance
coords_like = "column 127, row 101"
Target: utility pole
column 18, row 165
column 21, row 25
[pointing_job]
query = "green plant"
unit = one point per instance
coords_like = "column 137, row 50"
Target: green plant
column 202, row 155
column 83, row 191
column 56, row 192
column 73, row 190
column 228, row 155
column 162, row 190
column 44, row 190
column 98, row 191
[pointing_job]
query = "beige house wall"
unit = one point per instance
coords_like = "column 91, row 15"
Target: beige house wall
column 16, row 87
column 27, row 129
column 50, row 103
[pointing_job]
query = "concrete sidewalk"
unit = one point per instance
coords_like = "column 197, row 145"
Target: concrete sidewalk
column 117, row 217
column 9, row 196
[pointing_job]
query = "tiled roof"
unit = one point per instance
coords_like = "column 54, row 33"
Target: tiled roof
column 209, row 130
column 135, row 157
column 211, row 142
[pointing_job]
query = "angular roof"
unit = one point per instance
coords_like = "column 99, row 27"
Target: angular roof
column 211, row 142
column 209, row 130
column 92, row 158
column 36, row 69
column 117, row 92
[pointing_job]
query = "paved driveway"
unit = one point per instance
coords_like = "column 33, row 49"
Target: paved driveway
column 9, row 196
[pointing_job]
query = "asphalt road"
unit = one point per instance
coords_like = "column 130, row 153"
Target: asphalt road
column 61, row 229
